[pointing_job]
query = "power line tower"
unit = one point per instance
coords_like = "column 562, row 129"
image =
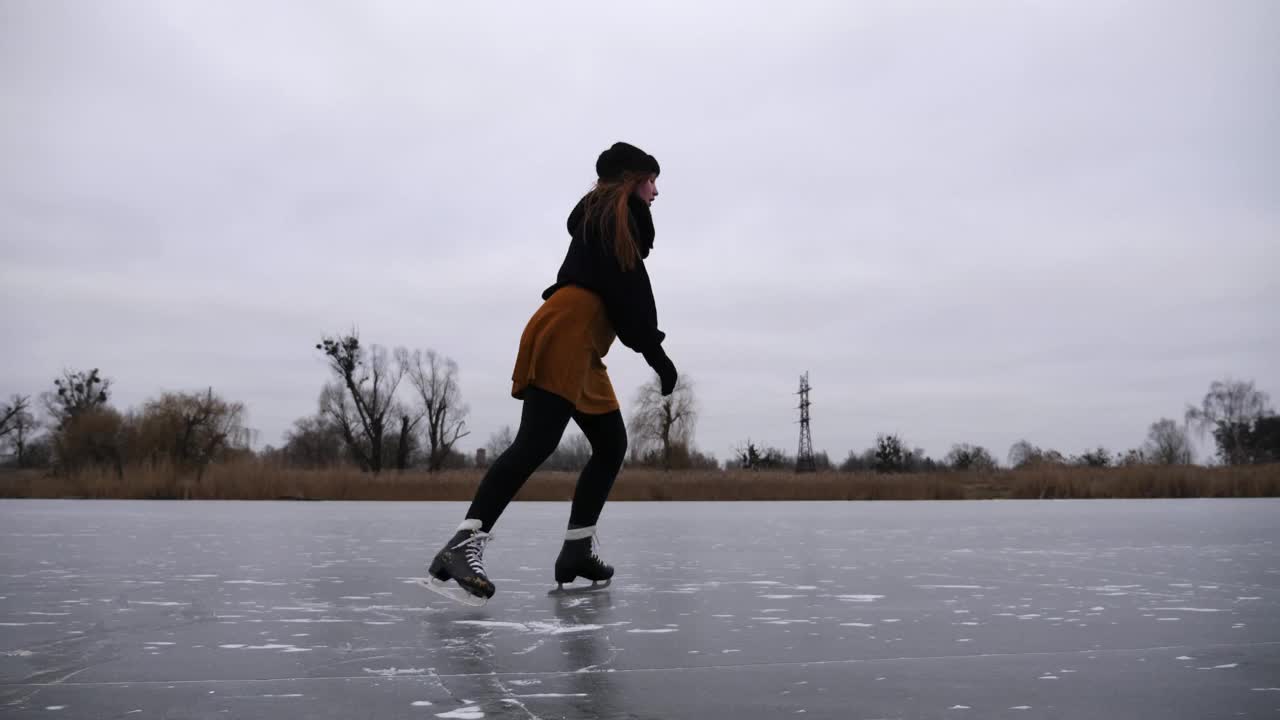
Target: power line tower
column 804, row 457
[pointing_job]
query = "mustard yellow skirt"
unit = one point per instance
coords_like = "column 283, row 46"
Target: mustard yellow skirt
column 561, row 351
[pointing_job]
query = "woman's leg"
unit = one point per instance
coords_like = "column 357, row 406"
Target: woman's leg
column 578, row 558
column 542, row 422
column 608, row 437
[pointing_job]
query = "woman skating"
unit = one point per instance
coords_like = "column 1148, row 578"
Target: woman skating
column 602, row 292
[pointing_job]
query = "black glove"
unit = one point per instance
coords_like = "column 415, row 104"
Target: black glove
column 658, row 360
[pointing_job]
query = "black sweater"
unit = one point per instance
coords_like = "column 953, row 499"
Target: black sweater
column 627, row 294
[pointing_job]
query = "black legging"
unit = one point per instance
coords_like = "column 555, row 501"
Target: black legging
column 542, row 423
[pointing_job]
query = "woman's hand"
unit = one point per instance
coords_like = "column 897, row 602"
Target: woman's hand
column 658, row 360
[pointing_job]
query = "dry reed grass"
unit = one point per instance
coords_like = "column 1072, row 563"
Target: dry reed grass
column 255, row 480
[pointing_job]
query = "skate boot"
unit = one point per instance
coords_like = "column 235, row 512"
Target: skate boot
column 461, row 560
column 578, row 559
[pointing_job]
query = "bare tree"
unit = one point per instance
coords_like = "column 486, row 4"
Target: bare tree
column 94, row 436
column 970, row 457
column 747, row 455
column 571, row 455
column 362, row 396
column 10, row 411
column 499, row 442
column 406, row 442
column 435, row 378
column 1229, row 410
column 75, row 393
column 892, row 454
column 16, row 426
column 192, row 429
column 86, row 429
column 1167, row 443
column 314, row 442
column 661, row 423
column 1023, row 453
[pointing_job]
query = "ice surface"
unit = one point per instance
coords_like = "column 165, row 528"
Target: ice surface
column 1092, row 609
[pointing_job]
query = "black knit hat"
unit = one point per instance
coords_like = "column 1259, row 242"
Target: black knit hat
column 621, row 158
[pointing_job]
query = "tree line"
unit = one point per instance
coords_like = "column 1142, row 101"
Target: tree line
column 400, row 409
column 1239, row 417
column 379, row 409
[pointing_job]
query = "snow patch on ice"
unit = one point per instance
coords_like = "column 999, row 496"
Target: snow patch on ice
column 393, row 672
column 1227, row 666
column 654, row 631
column 860, row 598
column 420, row 703
column 470, row 712
column 253, row 582
column 853, row 624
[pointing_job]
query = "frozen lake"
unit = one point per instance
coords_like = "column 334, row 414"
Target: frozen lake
column 1017, row 609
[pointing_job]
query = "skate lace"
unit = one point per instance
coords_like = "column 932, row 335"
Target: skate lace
column 595, row 543
column 473, row 550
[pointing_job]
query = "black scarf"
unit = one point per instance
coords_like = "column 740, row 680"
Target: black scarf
column 641, row 224
column 638, row 214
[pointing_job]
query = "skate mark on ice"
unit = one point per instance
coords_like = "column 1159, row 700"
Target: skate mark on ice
column 394, row 672
column 536, row 627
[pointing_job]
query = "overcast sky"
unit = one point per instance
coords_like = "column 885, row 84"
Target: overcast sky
column 970, row 222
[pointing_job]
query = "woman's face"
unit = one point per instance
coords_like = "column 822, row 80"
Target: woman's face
column 647, row 190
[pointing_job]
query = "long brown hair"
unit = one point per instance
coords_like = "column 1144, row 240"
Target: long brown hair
column 606, row 205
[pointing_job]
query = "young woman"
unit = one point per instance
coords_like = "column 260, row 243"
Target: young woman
column 602, row 292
